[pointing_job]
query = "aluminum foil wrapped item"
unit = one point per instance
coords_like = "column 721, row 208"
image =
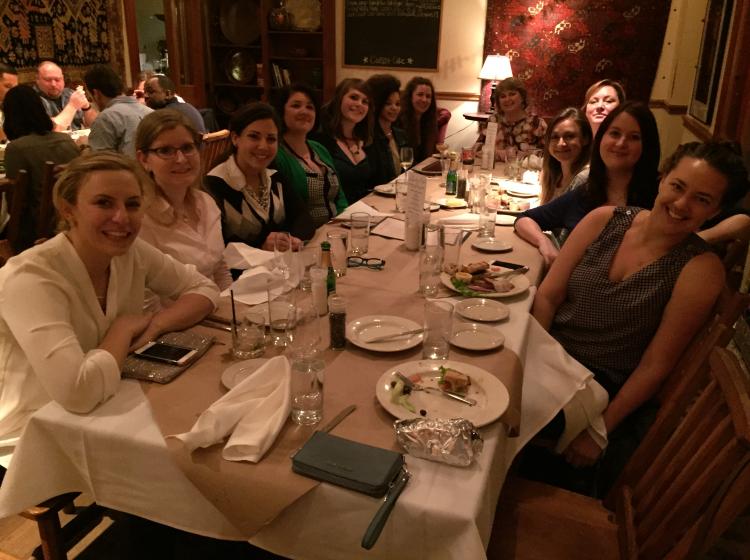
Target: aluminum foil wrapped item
column 447, row 440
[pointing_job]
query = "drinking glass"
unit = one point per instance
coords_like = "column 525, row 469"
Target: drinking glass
column 307, row 256
column 467, row 156
column 453, row 239
column 407, row 157
column 307, row 367
column 488, row 216
column 306, row 327
column 401, row 187
column 438, row 320
column 249, row 337
column 430, row 259
column 281, row 318
column 359, row 233
column 282, row 251
column 337, row 239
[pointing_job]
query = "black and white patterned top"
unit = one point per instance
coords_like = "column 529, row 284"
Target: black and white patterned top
column 322, row 186
column 608, row 325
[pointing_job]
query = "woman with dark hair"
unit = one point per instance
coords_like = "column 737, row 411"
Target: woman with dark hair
column 601, row 98
column 630, row 289
column 306, row 164
column 624, row 166
column 182, row 220
column 419, row 117
column 34, row 142
column 517, row 128
column 384, row 152
column 255, row 201
column 566, row 154
column 346, row 130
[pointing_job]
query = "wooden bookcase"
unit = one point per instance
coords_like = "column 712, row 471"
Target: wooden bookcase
column 243, row 51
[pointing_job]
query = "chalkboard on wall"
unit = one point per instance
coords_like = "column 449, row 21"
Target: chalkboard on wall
column 392, row 33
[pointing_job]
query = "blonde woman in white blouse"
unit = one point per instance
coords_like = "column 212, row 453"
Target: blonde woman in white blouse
column 71, row 308
column 181, row 220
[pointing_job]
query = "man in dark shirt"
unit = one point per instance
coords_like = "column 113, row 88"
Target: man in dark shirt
column 67, row 108
column 161, row 93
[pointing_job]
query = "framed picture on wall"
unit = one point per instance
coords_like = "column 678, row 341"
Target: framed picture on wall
column 713, row 44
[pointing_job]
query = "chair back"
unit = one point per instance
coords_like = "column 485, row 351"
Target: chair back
column 45, row 225
column 215, row 145
column 691, row 475
column 14, row 191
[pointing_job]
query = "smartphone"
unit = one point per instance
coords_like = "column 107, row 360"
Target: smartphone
column 163, row 352
column 512, row 266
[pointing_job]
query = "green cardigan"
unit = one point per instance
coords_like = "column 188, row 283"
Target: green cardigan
column 291, row 168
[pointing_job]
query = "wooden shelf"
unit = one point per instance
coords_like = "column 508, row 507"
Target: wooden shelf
column 290, row 32
column 297, row 58
column 236, row 85
column 225, row 45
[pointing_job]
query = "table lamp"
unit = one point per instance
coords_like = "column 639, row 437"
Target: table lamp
column 496, row 67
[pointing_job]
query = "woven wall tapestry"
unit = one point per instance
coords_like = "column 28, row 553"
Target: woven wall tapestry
column 560, row 47
column 73, row 33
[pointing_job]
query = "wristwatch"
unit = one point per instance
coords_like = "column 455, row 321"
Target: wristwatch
column 84, row 109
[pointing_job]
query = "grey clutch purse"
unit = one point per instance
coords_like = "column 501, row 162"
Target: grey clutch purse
column 160, row 372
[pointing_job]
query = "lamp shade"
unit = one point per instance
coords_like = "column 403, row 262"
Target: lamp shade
column 496, row 67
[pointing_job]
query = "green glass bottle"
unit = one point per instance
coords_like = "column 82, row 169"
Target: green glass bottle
column 325, row 263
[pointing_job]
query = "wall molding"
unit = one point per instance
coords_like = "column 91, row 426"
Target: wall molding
column 668, row 107
column 457, row 95
column 696, row 127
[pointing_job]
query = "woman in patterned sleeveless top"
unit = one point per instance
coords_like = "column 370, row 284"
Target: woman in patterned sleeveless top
column 631, row 287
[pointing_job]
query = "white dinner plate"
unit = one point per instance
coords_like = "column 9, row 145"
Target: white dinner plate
column 521, row 190
column 491, row 245
column 361, row 330
column 451, row 203
column 386, row 190
column 473, row 336
column 520, row 285
column 431, row 206
column 490, row 393
column 482, row 309
column 505, row 220
column 236, row 373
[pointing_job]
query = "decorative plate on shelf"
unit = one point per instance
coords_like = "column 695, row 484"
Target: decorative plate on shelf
column 240, row 67
column 239, row 21
column 305, row 14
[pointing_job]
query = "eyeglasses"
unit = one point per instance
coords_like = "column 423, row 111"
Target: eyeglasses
column 170, row 152
column 373, row 263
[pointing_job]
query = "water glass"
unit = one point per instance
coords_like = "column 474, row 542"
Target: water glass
column 281, row 318
column 306, row 324
column 359, row 234
column 337, row 239
column 487, row 217
column 430, row 265
column 249, row 338
column 453, row 239
column 307, row 257
column 282, row 251
column 307, row 369
column 438, row 321
column 401, row 187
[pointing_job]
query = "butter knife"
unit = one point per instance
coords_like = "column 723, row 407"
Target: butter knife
column 381, row 516
column 387, row 337
column 338, row 418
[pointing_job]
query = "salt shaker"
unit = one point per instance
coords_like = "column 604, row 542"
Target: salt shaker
column 337, row 320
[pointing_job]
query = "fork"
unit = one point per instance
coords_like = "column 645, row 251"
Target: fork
column 450, row 394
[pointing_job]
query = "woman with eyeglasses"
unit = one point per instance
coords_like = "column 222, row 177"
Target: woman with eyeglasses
column 257, row 203
column 182, row 220
column 71, row 308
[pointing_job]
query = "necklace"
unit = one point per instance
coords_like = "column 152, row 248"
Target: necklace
column 352, row 145
column 261, row 195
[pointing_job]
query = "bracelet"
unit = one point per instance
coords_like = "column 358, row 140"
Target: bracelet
column 84, row 109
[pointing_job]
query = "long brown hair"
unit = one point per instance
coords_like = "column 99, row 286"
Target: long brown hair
column 331, row 112
column 551, row 168
column 420, row 131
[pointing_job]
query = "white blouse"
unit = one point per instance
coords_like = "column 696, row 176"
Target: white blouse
column 51, row 324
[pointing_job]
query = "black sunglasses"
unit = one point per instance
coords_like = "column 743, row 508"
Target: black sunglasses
column 370, row 262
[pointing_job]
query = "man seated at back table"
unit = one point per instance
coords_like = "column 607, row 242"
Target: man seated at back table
column 161, row 93
column 67, row 108
column 8, row 79
column 114, row 128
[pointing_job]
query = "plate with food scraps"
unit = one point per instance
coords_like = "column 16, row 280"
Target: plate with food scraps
column 489, row 392
column 492, row 245
column 451, row 203
column 482, row 309
column 516, row 284
column 521, row 190
column 473, row 336
column 236, row 373
column 389, row 189
column 361, row 331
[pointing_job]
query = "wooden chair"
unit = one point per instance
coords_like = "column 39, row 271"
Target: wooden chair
column 14, row 191
column 215, row 145
column 671, row 502
column 45, row 218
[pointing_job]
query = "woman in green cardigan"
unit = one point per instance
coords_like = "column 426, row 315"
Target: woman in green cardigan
column 306, row 164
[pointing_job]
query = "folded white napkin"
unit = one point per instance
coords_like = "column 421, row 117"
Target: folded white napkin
column 253, row 412
column 360, row 206
column 242, row 256
column 584, row 412
column 251, row 287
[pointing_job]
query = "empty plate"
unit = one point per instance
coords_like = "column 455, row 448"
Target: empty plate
column 388, row 189
column 482, row 309
column 492, row 245
column 236, row 373
column 473, row 336
column 360, row 331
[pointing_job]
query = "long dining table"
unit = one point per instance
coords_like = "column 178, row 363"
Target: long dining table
column 119, row 455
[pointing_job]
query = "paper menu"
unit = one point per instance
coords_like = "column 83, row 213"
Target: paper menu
column 414, row 209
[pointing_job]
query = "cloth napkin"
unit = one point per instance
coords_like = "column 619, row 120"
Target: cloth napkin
column 242, row 256
column 251, row 287
column 360, row 206
column 251, row 414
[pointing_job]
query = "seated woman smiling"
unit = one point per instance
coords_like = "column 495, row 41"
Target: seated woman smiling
column 255, row 201
column 631, row 287
column 72, row 308
column 182, row 220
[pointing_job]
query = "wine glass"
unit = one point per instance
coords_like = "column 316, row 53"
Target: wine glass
column 407, row 157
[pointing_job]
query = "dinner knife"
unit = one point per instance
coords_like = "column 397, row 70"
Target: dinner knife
column 381, row 516
column 387, row 337
column 338, row 418
column 510, row 265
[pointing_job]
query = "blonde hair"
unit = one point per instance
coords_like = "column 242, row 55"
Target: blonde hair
column 69, row 184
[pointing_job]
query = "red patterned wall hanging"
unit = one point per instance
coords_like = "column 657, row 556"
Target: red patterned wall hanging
column 559, row 48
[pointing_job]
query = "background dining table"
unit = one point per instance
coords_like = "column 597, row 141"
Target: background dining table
column 118, row 453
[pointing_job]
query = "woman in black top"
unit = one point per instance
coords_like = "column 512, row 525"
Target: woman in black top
column 255, row 202
column 384, row 152
column 419, row 117
column 346, row 130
